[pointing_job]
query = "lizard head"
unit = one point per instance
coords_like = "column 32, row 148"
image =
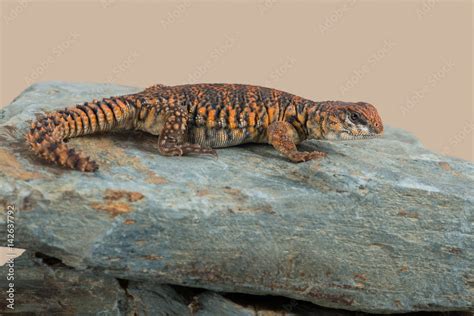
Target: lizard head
column 344, row 121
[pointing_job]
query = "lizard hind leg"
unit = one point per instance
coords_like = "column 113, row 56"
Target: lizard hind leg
column 173, row 141
column 283, row 136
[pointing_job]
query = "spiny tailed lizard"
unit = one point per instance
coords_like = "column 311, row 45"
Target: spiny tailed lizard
column 195, row 118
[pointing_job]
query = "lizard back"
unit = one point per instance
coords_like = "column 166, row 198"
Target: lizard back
column 222, row 115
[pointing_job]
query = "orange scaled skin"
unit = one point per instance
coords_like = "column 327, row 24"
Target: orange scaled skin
column 194, row 119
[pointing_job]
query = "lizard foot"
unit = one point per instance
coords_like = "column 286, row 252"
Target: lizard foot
column 283, row 136
column 172, row 138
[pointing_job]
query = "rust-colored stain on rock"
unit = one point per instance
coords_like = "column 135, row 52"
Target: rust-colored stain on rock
column 404, row 213
column 360, row 277
column 117, row 202
column 242, row 202
column 202, row 192
column 113, row 208
column 445, row 166
column 130, row 196
column 10, row 167
column 153, row 178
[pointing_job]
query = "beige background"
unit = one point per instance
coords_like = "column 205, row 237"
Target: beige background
column 412, row 59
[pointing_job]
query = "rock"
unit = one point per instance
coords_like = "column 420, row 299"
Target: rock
column 54, row 289
column 45, row 286
column 210, row 304
column 146, row 298
column 381, row 225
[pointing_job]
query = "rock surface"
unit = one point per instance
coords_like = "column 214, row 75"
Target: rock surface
column 381, row 225
column 54, row 289
column 45, row 286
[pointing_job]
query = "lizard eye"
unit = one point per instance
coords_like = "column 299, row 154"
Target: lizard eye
column 355, row 117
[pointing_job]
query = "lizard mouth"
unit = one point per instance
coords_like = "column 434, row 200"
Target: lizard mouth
column 348, row 136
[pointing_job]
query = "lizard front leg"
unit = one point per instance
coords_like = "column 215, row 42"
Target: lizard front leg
column 172, row 139
column 283, row 136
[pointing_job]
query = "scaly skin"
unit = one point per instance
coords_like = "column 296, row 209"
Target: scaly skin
column 194, row 119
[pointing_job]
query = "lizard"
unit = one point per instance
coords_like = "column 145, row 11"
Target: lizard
column 197, row 118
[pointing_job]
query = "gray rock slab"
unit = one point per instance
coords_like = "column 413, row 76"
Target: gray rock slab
column 45, row 286
column 42, row 289
column 148, row 298
column 380, row 225
column 210, row 304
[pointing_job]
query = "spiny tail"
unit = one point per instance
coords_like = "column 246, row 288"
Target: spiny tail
column 47, row 134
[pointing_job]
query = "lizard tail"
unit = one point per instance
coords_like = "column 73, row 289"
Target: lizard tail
column 47, row 134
